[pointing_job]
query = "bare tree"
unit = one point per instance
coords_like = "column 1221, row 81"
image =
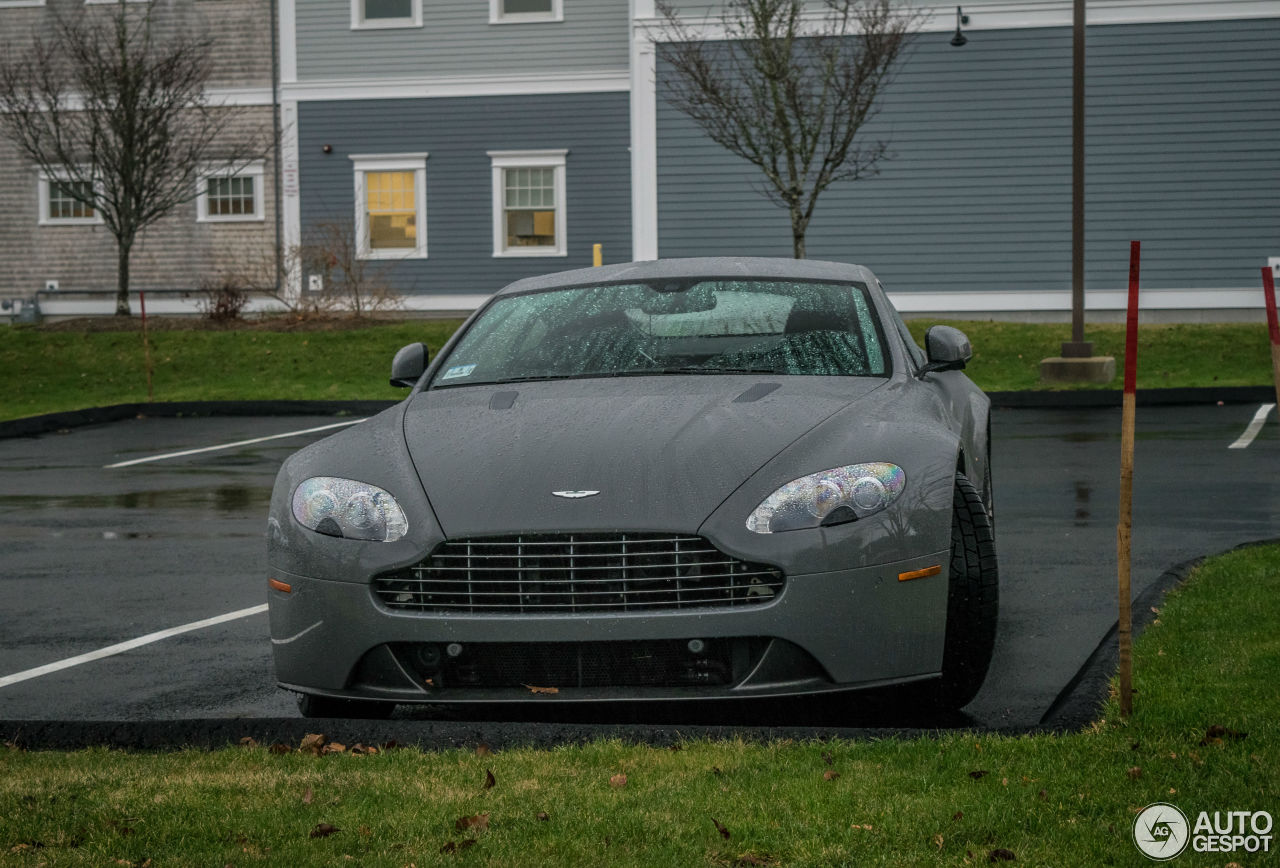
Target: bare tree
column 789, row 91
column 112, row 108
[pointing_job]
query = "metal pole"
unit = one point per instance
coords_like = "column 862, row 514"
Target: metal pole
column 1077, row 347
column 597, row 255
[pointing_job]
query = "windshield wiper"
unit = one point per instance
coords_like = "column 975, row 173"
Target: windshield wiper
column 703, row 369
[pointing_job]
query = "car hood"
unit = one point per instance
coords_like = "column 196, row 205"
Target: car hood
column 663, row 452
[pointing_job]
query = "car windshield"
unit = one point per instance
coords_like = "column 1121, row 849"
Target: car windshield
column 695, row 326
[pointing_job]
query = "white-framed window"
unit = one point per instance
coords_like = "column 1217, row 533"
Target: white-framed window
column 58, row 204
column 228, row 196
column 391, row 205
column 525, row 11
column 528, row 203
column 4, row 3
column 374, row 14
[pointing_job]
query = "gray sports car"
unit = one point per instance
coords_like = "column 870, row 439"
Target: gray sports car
column 683, row 479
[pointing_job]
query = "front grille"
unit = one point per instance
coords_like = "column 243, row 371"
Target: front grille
column 578, row 573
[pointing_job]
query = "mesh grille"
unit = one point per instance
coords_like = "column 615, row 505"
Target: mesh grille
column 666, row 663
column 578, row 573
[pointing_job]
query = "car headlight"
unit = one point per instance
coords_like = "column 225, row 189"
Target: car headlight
column 350, row 509
column 831, row 497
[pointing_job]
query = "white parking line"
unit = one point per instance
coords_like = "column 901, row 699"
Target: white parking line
column 1255, row 426
column 121, row 647
column 232, row 445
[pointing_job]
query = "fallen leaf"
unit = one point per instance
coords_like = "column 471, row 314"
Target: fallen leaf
column 479, row 822
column 535, row 690
column 248, row 741
column 1172, row 791
column 1042, row 795
column 830, row 775
column 470, row 842
column 323, row 830
column 958, row 815
column 1000, row 854
column 544, row 816
column 333, row 747
column 618, row 781
column 311, row 743
column 938, row 841
column 1217, row 733
column 390, row 745
column 675, row 747
column 279, row 748
column 482, row 749
column 866, row 827
column 978, row 774
column 827, row 758
column 715, row 770
column 751, row 860
column 1135, row 745
column 1155, row 611
column 724, row 833
column 307, row 796
column 1004, row 782
column 1134, row 773
column 489, row 779
column 365, row 831
column 449, row 847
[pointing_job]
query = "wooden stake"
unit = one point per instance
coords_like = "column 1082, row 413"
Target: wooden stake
column 146, row 342
column 1273, row 326
column 1124, row 529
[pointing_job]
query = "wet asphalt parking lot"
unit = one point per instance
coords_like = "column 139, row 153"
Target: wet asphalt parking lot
column 95, row 557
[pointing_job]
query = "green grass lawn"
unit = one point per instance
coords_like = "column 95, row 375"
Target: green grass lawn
column 1211, row 659
column 49, row 371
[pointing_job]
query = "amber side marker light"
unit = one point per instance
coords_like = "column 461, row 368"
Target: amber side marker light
column 920, row 574
column 278, row 585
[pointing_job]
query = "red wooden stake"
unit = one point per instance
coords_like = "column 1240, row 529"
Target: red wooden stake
column 146, row 343
column 1124, row 529
column 1273, row 325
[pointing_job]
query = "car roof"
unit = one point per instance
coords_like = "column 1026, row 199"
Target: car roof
column 740, row 267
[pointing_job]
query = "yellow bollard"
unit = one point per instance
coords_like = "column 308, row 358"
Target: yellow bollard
column 597, row 255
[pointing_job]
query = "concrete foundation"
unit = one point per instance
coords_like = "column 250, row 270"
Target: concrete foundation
column 1093, row 369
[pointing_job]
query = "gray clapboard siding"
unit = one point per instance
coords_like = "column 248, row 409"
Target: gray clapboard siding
column 1183, row 120
column 458, row 133
column 456, row 39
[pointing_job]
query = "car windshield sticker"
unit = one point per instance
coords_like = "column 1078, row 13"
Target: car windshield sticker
column 458, row 371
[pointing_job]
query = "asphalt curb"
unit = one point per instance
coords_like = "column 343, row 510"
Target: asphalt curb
column 32, row 426
column 1078, row 703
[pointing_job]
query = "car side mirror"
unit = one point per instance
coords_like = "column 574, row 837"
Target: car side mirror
column 409, row 364
column 948, row 349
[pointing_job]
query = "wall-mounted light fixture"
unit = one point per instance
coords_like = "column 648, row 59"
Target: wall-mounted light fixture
column 960, row 39
column 328, row 149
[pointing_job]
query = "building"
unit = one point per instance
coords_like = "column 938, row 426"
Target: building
column 56, row 247
column 461, row 144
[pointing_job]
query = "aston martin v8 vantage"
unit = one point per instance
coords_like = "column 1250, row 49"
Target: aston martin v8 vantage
column 683, row 479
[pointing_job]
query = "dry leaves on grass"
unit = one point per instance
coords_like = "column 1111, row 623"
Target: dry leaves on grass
column 312, row 743
column 830, row 775
column 479, row 822
column 323, row 830
column 618, row 781
column 1218, row 734
column 979, row 774
column 720, row 827
column 535, row 690
column 450, row 847
column 483, row 749
column 489, row 779
column 1000, row 854
column 308, row 796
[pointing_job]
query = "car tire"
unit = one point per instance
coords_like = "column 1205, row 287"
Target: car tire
column 972, row 599
column 312, row 705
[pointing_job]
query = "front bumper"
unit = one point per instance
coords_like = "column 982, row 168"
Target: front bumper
column 840, row 630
